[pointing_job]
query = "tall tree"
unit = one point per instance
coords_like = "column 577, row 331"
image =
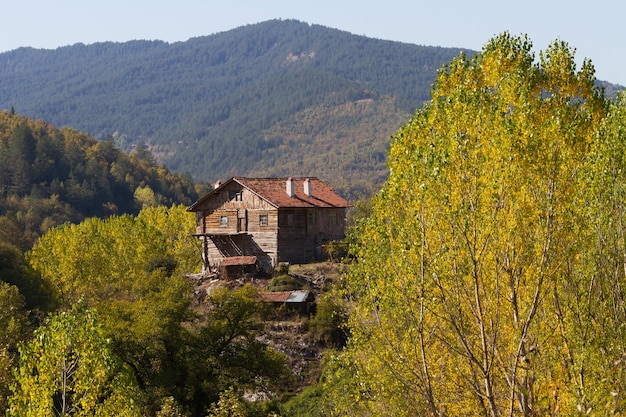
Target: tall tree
column 22, row 153
column 119, row 267
column 475, row 284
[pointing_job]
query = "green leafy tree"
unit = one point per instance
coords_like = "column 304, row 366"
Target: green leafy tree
column 229, row 405
column 476, row 284
column 13, row 271
column 177, row 228
column 327, row 326
column 599, row 339
column 22, row 147
column 227, row 353
column 68, row 370
column 117, row 267
column 14, row 329
column 131, row 271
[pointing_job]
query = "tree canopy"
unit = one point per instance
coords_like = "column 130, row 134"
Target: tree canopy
column 488, row 279
column 240, row 102
column 68, row 369
column 51, row 176
column 131, row 271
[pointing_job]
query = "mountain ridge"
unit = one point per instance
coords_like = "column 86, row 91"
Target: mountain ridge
column 216, row 106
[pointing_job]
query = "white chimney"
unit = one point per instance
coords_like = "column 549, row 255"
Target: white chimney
column 217, row 184
column 291, row 191
column 307, row 187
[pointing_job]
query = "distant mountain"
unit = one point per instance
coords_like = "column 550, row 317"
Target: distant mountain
column 275, row 98
column 261, row 99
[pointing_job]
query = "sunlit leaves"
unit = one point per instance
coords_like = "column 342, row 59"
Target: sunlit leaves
column 14, row 328
column 476, row 275
column 68, row 370
column 131, row 270
column 110, row 259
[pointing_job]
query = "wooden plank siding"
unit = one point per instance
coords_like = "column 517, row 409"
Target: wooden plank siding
column 236, row 219
column 303, row 232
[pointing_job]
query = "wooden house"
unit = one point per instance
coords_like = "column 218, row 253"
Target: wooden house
column 272, row 219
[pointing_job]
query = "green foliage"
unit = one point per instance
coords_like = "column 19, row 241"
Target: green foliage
column 336, row 250
column 116, row 258
column 170, row 408
column 49, row 177
column 14, row 329
column 227, row 351
column 309, row 403
column 278, row 98
column 122, row 267
column 131, row 271
column 14, row 323
column 284, row 282
column 229, row 405
column 68, row 370
column 13, row 271
column 328, row 325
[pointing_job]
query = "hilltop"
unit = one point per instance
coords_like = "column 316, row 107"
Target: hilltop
column 274, row 98
column 51, row 176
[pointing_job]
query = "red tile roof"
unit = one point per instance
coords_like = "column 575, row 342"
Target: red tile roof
column 274, row 190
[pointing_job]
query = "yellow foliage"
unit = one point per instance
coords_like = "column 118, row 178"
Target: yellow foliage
column 477, row 279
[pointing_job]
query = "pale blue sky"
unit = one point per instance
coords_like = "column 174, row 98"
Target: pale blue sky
column 597, row 29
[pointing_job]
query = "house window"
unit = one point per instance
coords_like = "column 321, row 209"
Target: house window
column 334, row 221
column 223, row 220
column 290, row 220
column 312, row 217
column 263, row 220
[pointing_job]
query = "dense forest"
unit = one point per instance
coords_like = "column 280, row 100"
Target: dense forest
column 51, row 176
column 232, row 103
column 276, row 98
column 486, row 276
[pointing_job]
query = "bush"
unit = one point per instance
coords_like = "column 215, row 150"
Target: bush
column 284, row 283
column 328, row 325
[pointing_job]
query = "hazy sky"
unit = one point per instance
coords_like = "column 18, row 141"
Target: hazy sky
column 597, row 29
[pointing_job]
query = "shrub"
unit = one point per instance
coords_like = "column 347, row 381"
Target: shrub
column 284, row 283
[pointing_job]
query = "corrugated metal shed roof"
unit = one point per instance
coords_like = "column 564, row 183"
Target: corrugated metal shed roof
column 286, row 296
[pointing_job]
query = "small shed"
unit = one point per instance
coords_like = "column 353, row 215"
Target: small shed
column 299, row 300
column 234, row 267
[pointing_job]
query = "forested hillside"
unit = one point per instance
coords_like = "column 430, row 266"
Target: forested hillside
column 485, row 278
column 262, row 99
column 50, row 176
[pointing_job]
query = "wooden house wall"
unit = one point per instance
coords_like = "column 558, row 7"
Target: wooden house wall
column 303, row 232
column 292, row 245
column 234, row 202
column 261, row 245
column 294, row 235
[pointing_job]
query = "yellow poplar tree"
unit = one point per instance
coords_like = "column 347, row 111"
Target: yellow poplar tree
column 68, row 370
column 476, row 284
